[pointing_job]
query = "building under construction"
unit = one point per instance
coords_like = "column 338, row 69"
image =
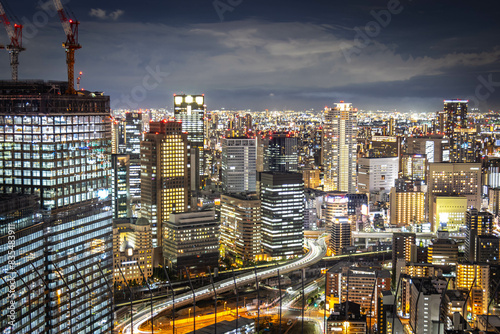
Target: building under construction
column 57, row 146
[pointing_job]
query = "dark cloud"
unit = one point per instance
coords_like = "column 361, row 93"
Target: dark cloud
column 277, row 54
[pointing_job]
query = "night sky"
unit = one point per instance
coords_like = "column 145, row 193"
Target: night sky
column 256, row 54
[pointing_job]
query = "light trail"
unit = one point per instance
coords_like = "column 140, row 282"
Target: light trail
column 317, row 250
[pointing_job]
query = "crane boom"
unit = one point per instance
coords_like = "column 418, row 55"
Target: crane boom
column 16, row 41
column 62, row 17
column 71, row 45
column 6, row 23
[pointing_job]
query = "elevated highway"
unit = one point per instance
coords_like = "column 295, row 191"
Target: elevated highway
column 316, row 251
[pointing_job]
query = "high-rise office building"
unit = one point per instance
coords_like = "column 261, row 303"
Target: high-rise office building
column 240, row 227
column 435, row 148
column 120, row 180
column 463, row 146
column 339, row 148
column 190, row 110
column 474, row 278
column 340, row 236
column 58, row 146
column 462, row 179
column 248, row 122
column 377, row 174
column 22, row 243
column 132, row 247
column 387, row 322
column 456, row 115
column 281, row 152
column 282, row 214
column 311, row 207
column 407, row 208
column 191, row 241
column 402, row 247
column 131, row 135
column 478, row 223
column 239, row 158
column 165, row 175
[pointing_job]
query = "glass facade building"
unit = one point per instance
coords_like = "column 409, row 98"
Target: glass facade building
column 281, row 153
column 22, row 245
column 239, row 165
column 57, row 146
column 121, row 185
column 282, row 214
column 190, row 110
column 131, row 135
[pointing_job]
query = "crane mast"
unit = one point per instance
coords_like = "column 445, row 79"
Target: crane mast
column 15, row 34
column 71, row 45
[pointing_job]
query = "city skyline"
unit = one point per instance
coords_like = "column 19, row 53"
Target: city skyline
column 274, row 56
column 160, row 176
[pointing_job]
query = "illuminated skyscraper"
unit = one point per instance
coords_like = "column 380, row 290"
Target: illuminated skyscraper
column 165, row 177
column 478, row 223
column 282, row 212
column 446, row 179
column 339, row 148
column 474, row 278
column 456, row 115
column 22, row 241
column 190, row 110
column 120, row 185
column 240, row 227
column 463, row 146
column 311, row 178
column 406, row 207
column 58, row 146
column 281, row 153
column 239, row 158
column 132, row 128
column 401, row 247
column 340, row 236
column 336, row 206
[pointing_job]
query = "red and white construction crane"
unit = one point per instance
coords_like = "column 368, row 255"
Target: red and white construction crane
column 15, row 34
column 71, row 45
